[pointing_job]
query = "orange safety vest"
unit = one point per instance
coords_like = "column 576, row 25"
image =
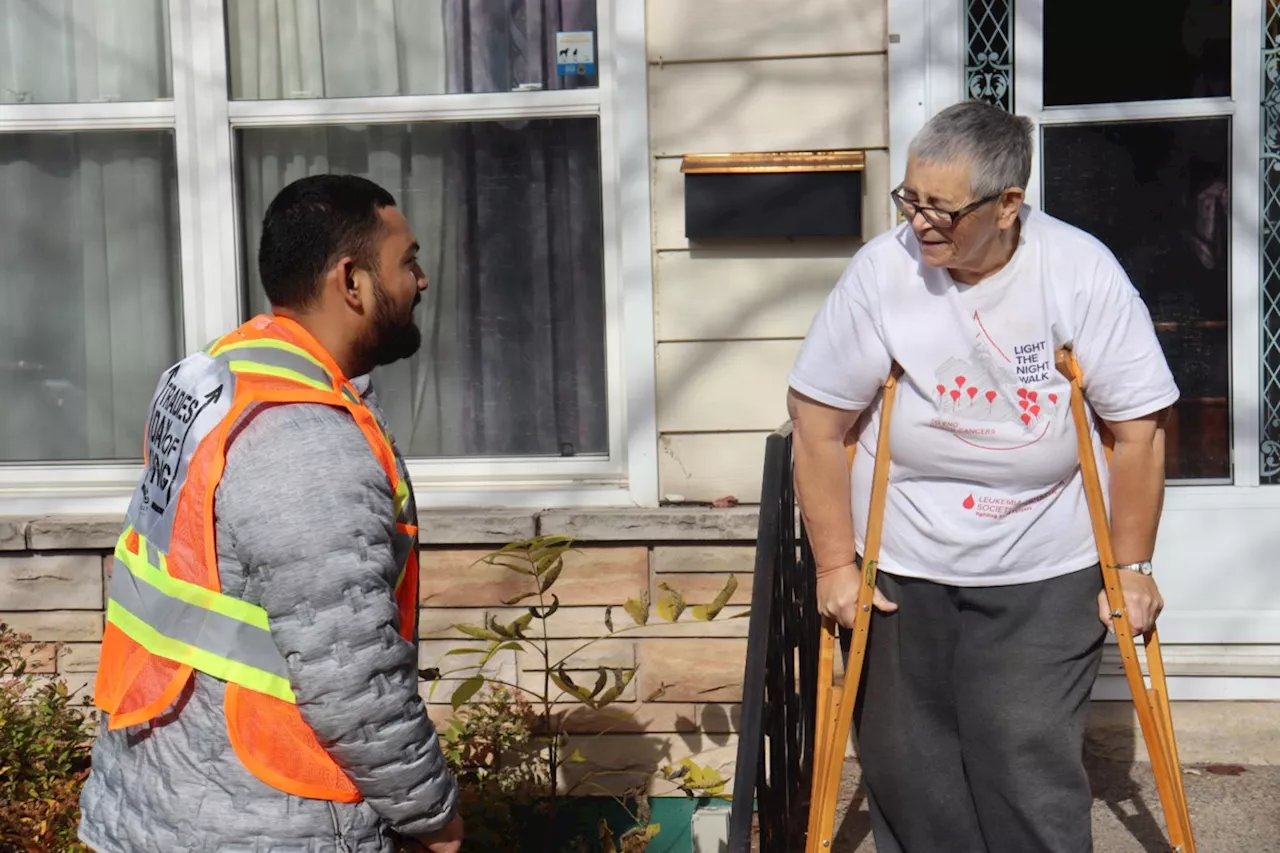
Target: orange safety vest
column 166, row 613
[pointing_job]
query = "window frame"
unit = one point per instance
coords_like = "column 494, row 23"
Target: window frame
column 204, row 121
column 1214, row 550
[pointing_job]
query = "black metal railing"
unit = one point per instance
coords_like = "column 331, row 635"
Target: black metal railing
column 775, row 743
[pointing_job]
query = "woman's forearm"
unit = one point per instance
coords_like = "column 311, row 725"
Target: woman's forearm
column 1137, row 495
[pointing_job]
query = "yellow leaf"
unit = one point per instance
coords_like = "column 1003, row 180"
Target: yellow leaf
column 638, row 609
column 671, row 605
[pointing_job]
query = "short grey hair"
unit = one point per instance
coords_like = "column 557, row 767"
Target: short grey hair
column 996, row 144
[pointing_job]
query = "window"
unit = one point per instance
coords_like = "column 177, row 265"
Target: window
column 154, row 136
column 1138, row 151
column 1150, row 136
column 88, row 245
column 512, row 362
column 1167, row 219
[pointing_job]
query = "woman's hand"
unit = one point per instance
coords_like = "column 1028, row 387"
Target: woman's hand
column 1142, row 603
column 838, row 590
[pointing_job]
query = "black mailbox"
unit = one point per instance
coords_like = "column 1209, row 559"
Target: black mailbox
column 762, row 195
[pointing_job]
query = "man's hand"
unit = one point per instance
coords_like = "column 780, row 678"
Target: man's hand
column 838, row 594
column 1142, row 603
column 446, row 840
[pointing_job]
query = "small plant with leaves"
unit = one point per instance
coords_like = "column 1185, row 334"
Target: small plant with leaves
column 44, row 753
column 500, row 765
column 539, row 562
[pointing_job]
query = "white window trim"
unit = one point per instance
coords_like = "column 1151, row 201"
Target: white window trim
column 204, row 120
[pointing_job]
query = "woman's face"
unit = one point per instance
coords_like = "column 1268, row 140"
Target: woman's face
column 969, row 243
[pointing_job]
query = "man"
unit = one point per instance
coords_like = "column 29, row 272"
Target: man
column 259, row 666
column 989, row 614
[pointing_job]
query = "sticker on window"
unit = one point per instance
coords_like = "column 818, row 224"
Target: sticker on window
column 575, row 54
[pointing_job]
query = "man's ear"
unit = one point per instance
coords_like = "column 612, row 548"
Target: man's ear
column 348, row 281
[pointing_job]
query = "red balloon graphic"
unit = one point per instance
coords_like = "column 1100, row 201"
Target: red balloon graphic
column 959, row 381
column 1026, row 419
column 942, row 389
column 1023, row 404
column 991, row 396
column 1035, row 410
column 973, row 392
column 955, row 395
column 1053, row 398
column 1031, row 395
column 1022, row 392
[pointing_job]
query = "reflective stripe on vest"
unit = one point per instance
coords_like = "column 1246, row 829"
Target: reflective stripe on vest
column 283, row 360
column 217, row 634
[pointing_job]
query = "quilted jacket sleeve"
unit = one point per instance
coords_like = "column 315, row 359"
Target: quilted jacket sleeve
column 311, row 514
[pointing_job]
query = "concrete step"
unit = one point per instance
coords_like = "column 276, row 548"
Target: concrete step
column 1233, row 808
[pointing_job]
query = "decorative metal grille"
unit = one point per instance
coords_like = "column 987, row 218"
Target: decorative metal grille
column 988, row 68
column 1270, row 220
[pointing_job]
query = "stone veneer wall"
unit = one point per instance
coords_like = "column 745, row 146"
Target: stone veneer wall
column 53, row 575
column 54, row 571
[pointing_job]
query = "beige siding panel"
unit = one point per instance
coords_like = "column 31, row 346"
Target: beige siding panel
column 714, row 29
column 769, row 105
column 877, row 208
column 706, row 466
column 724, row 385
column 737, row 294
column 668, row 212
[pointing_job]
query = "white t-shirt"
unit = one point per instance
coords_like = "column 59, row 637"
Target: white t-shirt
column 985, row 484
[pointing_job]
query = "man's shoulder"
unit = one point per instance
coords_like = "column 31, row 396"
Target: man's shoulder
column 303, row 443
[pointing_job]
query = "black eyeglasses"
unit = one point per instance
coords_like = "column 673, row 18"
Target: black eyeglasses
column 937, row 217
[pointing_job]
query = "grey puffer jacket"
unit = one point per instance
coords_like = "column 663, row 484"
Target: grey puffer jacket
column 304, row 524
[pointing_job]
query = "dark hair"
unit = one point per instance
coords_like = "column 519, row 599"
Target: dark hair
column 309, row 226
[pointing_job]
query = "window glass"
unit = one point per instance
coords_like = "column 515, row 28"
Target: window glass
column 365, row 48
column 1157, row 194
column 509, row 217
column 89, row 267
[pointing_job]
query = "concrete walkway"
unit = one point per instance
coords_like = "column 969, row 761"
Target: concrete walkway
column 1233, row 808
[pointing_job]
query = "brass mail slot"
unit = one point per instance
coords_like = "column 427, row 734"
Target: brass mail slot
column 774, row 161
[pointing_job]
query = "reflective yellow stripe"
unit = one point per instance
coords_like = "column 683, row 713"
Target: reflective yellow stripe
column 193, row 594
column 402, row 494
column 232, row 671
column 269, row 343
column 278, row 372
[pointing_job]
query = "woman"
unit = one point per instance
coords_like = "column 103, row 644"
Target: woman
column 990, row 611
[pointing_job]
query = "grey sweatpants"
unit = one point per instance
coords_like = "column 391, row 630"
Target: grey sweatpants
column 971, row 724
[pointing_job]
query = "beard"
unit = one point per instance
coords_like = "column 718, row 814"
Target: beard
column 394, row 335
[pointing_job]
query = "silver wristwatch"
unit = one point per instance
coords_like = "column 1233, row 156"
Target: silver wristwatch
column 1143, row 567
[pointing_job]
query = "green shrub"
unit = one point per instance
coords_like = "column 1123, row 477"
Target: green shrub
column 44, row 754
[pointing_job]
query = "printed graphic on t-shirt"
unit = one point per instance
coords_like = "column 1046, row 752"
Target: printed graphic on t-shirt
column 990, row 386
column 997, row 507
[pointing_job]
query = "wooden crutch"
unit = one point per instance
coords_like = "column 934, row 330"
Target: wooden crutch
column 1151, row 703
column 835, row 702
